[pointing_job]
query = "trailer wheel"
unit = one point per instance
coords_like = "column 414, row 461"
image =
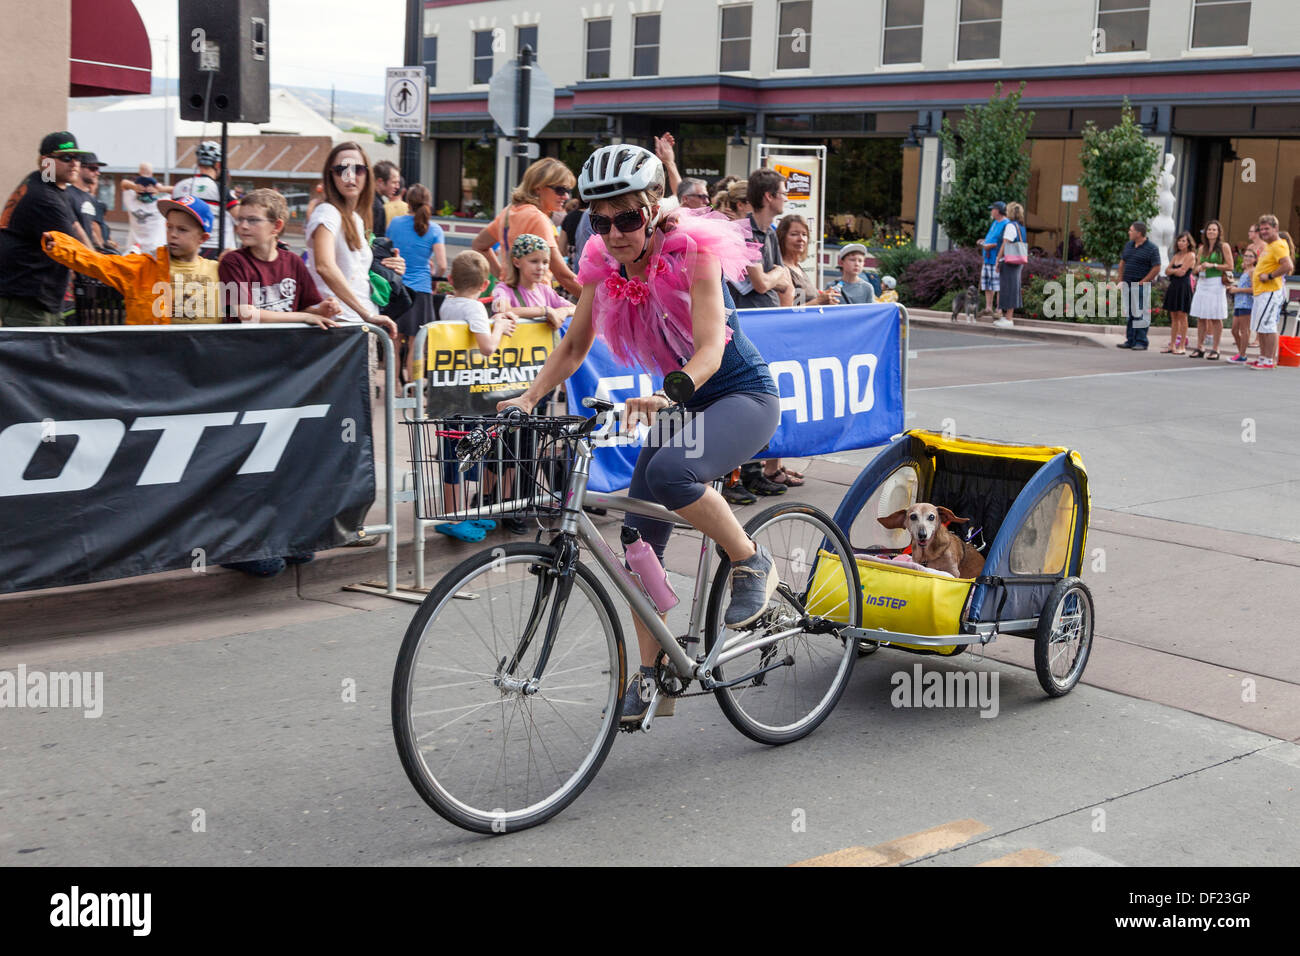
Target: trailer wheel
column 1064, row 638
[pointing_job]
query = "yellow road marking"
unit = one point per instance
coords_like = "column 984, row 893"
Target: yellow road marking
column 1030, row 857
column 910, row 847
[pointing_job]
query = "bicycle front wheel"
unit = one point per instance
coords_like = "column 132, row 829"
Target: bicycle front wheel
column 819, row 578
column 492, row 737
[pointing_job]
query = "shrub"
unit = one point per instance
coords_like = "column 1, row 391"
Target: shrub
column 894, row 260
column 928, row 279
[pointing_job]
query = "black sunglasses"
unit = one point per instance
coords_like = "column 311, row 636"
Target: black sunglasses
column 342, row 169
column 629, row 221
column 561, row 190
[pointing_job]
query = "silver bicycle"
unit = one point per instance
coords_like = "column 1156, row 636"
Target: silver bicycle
column 508, row 689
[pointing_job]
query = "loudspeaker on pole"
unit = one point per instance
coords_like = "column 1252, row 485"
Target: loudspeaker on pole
column 225, row 61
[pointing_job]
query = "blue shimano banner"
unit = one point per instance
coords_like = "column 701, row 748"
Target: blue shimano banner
column 838, row 369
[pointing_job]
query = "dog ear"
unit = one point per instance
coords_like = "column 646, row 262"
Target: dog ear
column 896, row 520
column 947, row 516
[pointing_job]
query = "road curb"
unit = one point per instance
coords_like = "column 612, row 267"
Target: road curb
column 937, row 320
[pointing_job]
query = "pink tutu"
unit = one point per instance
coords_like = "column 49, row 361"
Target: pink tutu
column 647, row 322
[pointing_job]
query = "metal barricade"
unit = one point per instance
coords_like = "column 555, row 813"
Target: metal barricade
column 97, row 303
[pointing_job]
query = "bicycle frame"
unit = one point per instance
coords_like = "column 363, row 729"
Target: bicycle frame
column 576, row 524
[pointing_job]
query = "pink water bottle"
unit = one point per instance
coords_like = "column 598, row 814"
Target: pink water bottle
column 641, row 560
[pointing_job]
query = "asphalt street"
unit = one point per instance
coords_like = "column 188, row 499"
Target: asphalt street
column 236, row 740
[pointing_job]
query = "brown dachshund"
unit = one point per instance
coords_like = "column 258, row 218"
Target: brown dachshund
column 933, row 545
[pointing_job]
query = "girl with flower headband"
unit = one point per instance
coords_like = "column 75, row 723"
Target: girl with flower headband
column 653, row 287
column 524, row 291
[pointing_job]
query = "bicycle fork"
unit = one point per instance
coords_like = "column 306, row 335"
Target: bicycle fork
column 556, row 578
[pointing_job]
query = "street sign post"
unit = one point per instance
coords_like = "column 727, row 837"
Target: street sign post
column 406, row 99
column 521, row 98
column 1069, row 194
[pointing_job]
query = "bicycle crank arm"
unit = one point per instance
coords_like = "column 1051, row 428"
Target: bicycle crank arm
column 787, row 661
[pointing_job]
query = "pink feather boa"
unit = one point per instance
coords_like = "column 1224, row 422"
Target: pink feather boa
column 647, row 322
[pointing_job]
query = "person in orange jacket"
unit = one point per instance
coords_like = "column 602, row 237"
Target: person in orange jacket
column 175, row 284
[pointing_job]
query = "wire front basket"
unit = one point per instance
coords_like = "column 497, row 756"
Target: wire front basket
column 470, row 466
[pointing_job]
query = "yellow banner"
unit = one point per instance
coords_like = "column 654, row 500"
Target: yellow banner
column 462, row 381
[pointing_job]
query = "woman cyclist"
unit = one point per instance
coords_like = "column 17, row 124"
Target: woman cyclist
column 653, row 288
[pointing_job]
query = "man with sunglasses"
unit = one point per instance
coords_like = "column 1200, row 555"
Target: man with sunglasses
column 33, row 286
column 693, row 194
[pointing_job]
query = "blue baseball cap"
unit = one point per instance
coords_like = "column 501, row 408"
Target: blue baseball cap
column 195, row 207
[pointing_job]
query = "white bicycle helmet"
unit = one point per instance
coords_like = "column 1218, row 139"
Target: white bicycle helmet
column 208, row 153
column 619, row 169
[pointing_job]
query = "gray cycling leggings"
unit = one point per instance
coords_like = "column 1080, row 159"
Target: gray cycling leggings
column 676, row 469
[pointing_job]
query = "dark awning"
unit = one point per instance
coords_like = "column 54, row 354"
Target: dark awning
column 110, row 53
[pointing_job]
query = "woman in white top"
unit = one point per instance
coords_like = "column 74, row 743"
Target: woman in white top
column 338, row 254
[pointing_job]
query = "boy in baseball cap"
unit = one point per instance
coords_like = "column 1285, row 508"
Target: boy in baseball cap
column 175, row 284
column 853, row 289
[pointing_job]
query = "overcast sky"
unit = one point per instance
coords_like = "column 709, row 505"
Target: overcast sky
column 313, row 42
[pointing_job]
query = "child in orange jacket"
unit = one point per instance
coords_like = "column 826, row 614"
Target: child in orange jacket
column 175, row 284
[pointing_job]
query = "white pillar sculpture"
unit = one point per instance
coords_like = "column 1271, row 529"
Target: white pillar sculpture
column 1161, row 229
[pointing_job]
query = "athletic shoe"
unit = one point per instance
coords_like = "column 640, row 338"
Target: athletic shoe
column 1261, row 364
column 1239, row 359
column 760, row 484
column 1124, row 345
column 753, row 582
column 738, row 494
column 636, row 700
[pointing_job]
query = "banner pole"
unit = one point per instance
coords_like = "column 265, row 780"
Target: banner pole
column 390, row 455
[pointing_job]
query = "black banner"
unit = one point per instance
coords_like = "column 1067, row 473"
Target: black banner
column 126, row 452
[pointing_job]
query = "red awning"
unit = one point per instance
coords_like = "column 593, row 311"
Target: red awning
column 110, row 49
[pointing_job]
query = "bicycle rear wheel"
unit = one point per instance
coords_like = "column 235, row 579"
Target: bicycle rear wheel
column 819, row 575
column 487, row 748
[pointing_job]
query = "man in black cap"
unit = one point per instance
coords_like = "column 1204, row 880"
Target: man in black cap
column 32, row 285
column 87, row 205
column 989, row 280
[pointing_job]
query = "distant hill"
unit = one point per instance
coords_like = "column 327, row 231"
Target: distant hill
column 350, row 109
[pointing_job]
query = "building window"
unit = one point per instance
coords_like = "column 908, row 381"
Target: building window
column 1220, row 23
column 794, row 35
column 1121, row 26
column 645, row 45
column 482, row 56
column 979, row 30
column 902, row 42
column 733, row 50
column 526, row 36
column 429, row 57
column 598, row 35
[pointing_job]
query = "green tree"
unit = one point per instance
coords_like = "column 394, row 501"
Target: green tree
column 989, row 162
column 1120, row 176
